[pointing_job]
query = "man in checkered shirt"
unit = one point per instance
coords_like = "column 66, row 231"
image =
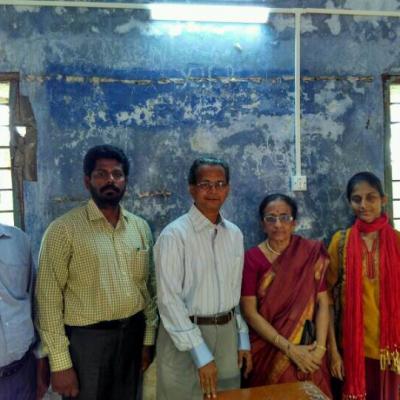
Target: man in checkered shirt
column 95, row 290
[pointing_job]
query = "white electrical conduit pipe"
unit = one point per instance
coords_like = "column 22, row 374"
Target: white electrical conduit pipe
column 297, row 93
column 297, row 12
column 147, row 6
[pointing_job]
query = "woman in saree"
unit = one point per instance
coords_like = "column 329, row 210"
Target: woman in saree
column 364, row 277
column 283, row 287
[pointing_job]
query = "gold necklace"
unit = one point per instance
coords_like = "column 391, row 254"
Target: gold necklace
column 271, row 249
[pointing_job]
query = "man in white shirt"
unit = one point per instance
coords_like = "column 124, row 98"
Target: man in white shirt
column 203, row 341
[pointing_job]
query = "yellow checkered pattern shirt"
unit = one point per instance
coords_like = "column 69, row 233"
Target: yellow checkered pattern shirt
column 90, row 271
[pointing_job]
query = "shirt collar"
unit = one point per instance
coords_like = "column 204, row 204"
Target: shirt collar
column 94, row 212
column 200, row 222
column 4, row 231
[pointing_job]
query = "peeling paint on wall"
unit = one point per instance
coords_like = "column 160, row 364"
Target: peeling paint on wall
column 169, row 92
column 334, row 24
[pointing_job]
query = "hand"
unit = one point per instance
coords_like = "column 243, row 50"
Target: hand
column 336, row 365
column 147, row 357
column 208, row 379
column 244, row 360
column 318, row 354
column 42, row 377
column 302, row 356
column 65, row 382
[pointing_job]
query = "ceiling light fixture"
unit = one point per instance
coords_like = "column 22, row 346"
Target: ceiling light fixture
column 208, row 13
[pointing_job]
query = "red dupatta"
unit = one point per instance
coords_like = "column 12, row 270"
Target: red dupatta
column 389, row 307
column 286, row 295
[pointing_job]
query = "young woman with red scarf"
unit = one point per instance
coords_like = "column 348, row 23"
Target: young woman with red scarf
column 364, row 278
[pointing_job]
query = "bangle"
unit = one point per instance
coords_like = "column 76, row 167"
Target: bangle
column 319, row 346
column 276, row 339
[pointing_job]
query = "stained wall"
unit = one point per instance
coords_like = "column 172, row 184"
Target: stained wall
column 170, row 92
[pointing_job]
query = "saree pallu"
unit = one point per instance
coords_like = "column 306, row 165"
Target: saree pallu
column 286, row 297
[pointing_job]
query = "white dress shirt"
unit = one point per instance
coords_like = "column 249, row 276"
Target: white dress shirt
column 199, row 273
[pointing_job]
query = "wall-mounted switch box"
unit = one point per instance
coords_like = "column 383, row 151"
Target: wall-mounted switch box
column 299, row 183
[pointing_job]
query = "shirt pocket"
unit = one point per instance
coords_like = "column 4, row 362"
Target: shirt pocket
column 15, row 278
column 138, row 264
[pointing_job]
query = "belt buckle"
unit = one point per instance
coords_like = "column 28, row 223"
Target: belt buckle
column 216, row 319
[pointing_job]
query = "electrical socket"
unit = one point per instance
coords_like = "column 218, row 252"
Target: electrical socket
column 299, row 183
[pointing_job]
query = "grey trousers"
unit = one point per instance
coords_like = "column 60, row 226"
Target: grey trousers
column 177, row 375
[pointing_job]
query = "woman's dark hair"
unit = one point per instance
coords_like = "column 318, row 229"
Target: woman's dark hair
column 192, row 177
column 278, row 196
column 367, row 177
column 104, row 151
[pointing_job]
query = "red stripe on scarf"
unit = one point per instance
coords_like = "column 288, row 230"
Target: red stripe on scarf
column 353, row 321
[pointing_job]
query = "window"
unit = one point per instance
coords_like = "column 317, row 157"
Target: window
column 395, row 150
column 392, row 147
column 6, row 181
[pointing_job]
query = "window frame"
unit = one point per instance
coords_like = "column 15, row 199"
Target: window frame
column 17, row 191
column 388, row 80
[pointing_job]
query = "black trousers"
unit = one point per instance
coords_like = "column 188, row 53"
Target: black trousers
column 107, row 360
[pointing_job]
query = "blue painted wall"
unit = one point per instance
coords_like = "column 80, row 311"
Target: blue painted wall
column 164, row 92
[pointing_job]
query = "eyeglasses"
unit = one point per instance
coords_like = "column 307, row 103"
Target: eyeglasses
column 273, row 219
column 101, row 174
column 207, row 185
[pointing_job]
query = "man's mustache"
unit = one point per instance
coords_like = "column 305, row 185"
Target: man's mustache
column 112, row 187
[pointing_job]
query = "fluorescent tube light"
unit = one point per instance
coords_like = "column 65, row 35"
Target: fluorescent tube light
column 208, row 13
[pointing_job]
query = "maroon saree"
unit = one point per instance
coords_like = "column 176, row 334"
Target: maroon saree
column 286, row 297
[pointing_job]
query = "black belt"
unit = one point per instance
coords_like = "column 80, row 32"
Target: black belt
column 220, row 319
column 115, row 324
column 15, row 366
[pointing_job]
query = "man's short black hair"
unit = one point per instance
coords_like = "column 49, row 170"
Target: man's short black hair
column 104, row 151
column 199, row 162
